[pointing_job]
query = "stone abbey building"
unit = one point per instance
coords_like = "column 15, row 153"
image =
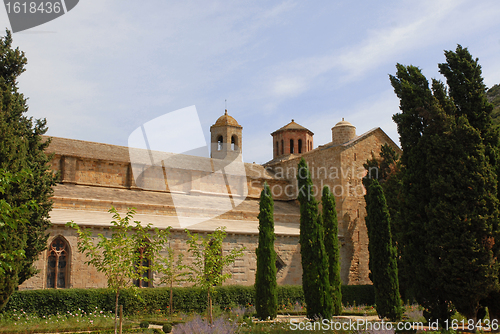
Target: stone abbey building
column 201, row 194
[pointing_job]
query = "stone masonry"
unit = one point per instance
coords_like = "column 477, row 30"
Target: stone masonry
column 94, row 176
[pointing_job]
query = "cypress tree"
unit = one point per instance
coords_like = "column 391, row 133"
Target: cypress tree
column 266, row 293
column 315, row 280
column 450, row 193
column 383, row 265
column 22, row 148
column 330, row 224
column 416, row 104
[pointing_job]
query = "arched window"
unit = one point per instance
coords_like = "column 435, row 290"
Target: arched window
column 300, row 146
column 291, row 146
column 58, row 264
column 234, row 143
column 277, row 148
column 144, row 263
column 220, row 140
column 282, row 147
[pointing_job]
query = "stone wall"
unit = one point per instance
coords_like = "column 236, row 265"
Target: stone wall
column 243, row 270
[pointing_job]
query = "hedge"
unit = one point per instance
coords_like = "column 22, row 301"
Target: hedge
column 188, row 299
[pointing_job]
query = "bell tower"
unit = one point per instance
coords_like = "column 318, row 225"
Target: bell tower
column 226, row 138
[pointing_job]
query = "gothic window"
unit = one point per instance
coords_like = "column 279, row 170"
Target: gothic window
column 58, row 264
column 219, row 143
column 291, row 146
column 145, row 264
column 234, row 143
column 282, row 147
column 300, row 146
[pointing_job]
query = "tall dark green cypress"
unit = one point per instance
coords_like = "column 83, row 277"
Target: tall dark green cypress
column 450, row 193
column 315, row 280
column 417, row 103
column 330, row 224
column 22, row 148
column 383, row 265
column 266, row 288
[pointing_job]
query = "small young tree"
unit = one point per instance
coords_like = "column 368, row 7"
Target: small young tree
column 315, row 280
column 207, row 269
column 383, row 265
column 266, row 293
column 118, row 257
column 172, row 270
column 330, row 225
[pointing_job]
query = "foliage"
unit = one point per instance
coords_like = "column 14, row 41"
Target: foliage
column 315, row 279
column 172, row 270
column 449, row 207
column 383, row 266
column 266, row 298
column 22, row 148
column 118, row 257
column 330, row 225
column 144, row 324
column 493, row 96
column 188, row 299
column 13, row 222
column 207, row 269
column 167, row 328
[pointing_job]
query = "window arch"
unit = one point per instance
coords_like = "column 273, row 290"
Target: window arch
column 291, row 146
column 234, row 143
column 300, row 146
column 145, row 263
column 277, row 148
column 220, row 141
column 58, row 264
column 282, row 147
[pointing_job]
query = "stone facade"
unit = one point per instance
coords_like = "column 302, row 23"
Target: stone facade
column 94, row 177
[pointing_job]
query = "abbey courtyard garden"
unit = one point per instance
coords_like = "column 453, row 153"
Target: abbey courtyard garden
column 355, row 235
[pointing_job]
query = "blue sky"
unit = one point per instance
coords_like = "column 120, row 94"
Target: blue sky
column 108, row 66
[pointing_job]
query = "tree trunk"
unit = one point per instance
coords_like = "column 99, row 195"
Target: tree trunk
column 171, row 296
column 121, row 318
column 210, row 318
column 116, row 310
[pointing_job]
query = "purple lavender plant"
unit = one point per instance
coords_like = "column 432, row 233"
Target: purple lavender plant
column 198, row 325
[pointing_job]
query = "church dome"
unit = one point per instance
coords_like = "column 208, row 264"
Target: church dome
column 343, row 123
column 343, row 132
column 226, row 120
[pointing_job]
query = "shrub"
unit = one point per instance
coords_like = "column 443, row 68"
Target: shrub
column 144, row 324
column 187, row 299
column 167, row 328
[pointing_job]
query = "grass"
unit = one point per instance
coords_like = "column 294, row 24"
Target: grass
column 236, row 319
column 19, row 321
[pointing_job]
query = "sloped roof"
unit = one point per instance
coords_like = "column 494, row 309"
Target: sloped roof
column 292, row 126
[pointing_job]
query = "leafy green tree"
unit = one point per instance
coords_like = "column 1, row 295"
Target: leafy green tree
column 13, row 223
column 119, row 257
column 383, row 265
column 266, row 288
column 207, row 268
column 330, row 225
column 449, row 186
column 22, row 147
column 315, row 279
